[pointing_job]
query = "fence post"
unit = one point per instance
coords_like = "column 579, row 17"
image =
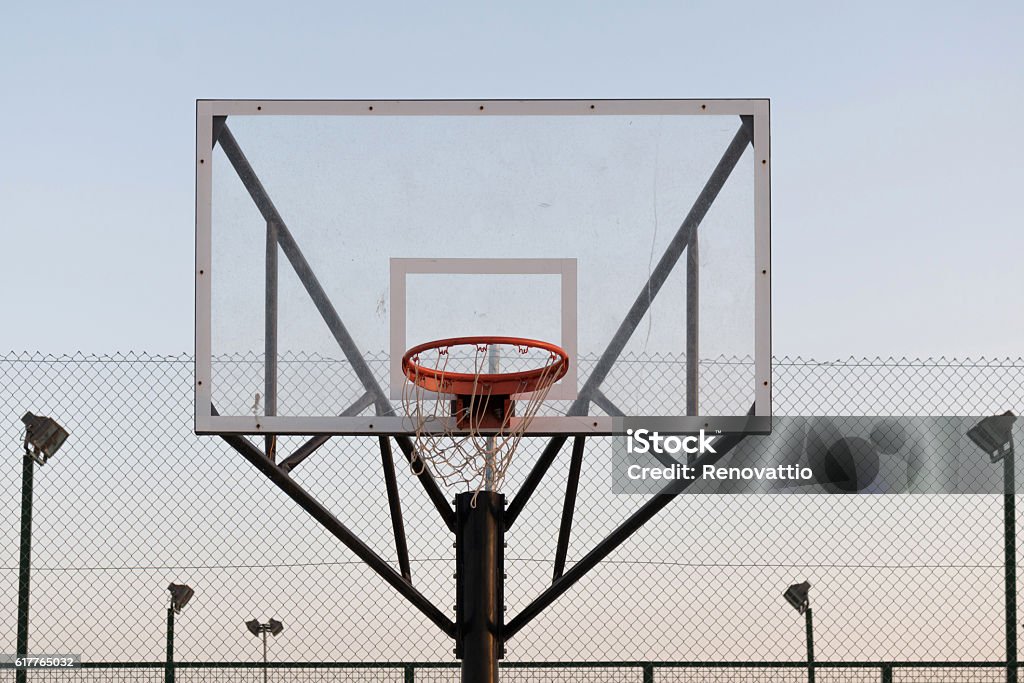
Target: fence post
column 169, row 666
column 887, row 673
column 809, row 621
column 410, row 673
column 24, row 560
column 1010, row 554
column 649, row 672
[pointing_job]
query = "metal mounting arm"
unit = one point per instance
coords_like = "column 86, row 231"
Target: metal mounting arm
column 227, row 142
column 340, row 531
column 614, row 539
column 591, row 390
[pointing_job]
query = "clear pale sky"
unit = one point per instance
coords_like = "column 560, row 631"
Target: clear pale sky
column 896, row 155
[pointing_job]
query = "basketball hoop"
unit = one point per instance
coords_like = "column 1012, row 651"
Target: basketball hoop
column 484, row 413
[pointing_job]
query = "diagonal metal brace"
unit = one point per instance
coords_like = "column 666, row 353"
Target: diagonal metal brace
column 340, row 531
column 323, row 304
column 743, row 137
column 569, row 505
column 302, row 268
column 591, row 388
column 533, row 479
column 310, row 446
column 616, row 538
column 394, row 506
column 429, row 484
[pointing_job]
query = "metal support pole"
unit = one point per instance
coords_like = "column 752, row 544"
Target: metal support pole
column 569, row 505
column 493, row 361
column 480, row 585
column 808, row 615
column 614, row 539
column 887, row 673
column 692, row 325
column 169, row 667
column 410, row 673
column 270, row 337
column 533, row 479
column 264, row 655
column 648, row 673
column 1010, row 551
column 387, row 462
column 24, row 561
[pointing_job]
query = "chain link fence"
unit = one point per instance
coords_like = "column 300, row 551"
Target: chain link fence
column 135, row 501
column 516, row 672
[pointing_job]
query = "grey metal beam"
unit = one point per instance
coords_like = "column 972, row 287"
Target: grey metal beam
column 692, row 324
column 302, row 268
column 387, row 463
column 568, row 505
column 309, row 447
column 270, row 336
column 217, row 127
column 605, row 404
column 669, row 258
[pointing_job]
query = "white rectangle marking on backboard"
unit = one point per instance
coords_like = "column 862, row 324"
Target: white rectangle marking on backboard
column 564, row 268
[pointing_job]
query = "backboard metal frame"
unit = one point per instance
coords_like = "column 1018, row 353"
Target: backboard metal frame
column 210, row 120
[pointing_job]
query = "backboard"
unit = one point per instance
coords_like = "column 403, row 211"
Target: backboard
column 331, row 236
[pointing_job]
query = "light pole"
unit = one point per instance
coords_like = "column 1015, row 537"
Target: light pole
column 43, row 437
column 994, row 435
column 273, row 627
column 798, row 595
column 180, row 595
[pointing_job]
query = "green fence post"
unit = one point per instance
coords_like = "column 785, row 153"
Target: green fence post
column 1010, row 553
column 809, row 619
column 410, row 673
column 24, row 561
column 649, row 672
column 887, row 673
column 169, row 666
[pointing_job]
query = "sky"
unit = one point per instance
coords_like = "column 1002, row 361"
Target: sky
column 895, row 165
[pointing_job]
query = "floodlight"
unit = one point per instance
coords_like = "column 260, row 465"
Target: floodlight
column 43, row 437
column 994, row 435
column 798, row 595
column 273, row 627
column 180, row 595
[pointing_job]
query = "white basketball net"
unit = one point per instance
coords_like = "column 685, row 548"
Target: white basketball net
column 469, row 454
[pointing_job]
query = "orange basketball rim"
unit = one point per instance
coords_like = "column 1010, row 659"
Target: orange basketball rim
column 439, row 380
